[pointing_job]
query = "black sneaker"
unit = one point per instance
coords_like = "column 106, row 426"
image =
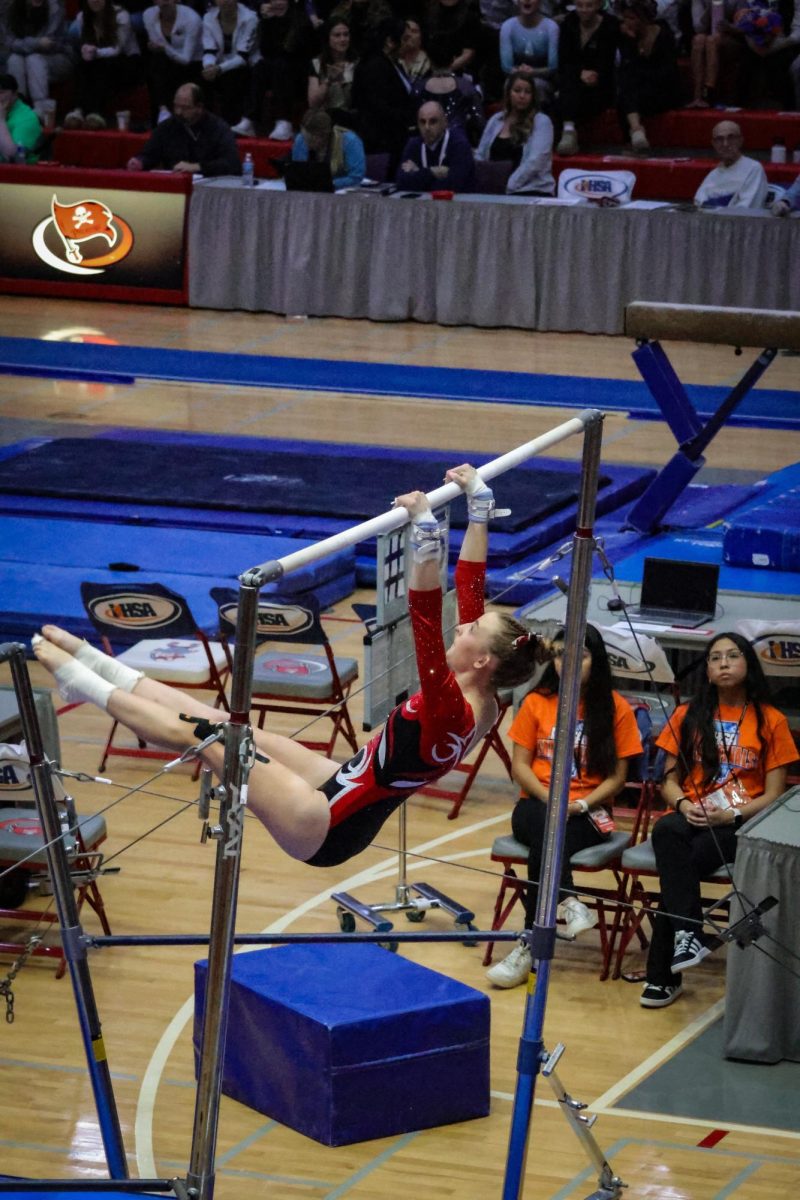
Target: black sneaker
column 656, row 995
column 689, row 951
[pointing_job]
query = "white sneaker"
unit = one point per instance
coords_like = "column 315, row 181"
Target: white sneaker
column 282, row 132
column 163, row 115
column 639, row 141
column 577, row 917
column 245, row 128
column 513, row 970
column 74, row 119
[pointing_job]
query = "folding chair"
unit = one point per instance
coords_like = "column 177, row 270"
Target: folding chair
column 23, row 856
column 177, row 652
column 297, row 682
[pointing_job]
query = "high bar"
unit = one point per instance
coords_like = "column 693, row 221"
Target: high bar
column 395, row 518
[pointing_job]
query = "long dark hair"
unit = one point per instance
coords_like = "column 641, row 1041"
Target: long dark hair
column 25, row 20
column 106, row 20
column 325, row 52
column 598, row 704
column 698, row 742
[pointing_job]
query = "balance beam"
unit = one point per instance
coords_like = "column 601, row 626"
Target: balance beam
column 646, row 321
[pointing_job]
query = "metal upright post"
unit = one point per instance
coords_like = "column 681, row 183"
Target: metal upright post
column 75, row 948
column 543, row 935
column 233, row 792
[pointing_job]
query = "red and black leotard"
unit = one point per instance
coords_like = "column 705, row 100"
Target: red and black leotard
column 423, row 738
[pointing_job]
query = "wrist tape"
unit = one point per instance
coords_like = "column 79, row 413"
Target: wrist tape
column 426, row 537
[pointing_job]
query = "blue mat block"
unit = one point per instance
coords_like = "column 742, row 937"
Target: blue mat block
column 349, row 1043
column 767, row 535
column 703, row 504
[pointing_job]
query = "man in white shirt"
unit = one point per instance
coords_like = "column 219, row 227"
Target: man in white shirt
column 738, row 182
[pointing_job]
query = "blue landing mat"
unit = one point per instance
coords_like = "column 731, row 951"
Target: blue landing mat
column 623, row 485
column 705, row 545
column 29, row 356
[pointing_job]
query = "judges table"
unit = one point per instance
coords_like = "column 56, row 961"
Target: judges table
column 763, row 989
column 487, row 261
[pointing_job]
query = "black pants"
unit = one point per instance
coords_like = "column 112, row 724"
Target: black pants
column 100, row 81
column 685, row 854
column 229, row 94
column 527, row 825
column 579, row 103
column 164, row 77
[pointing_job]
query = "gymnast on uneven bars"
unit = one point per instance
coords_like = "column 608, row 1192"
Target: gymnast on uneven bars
column 317, row 810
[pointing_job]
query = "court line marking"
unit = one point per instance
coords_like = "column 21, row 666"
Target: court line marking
column 145, row 1107
column 668, row 1050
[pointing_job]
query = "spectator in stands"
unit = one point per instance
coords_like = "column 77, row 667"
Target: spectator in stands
column 363, row 18
column 319, row 140
column 191, row 142
column 457, row 94
column 285, row 43
column 330, row 80
column 173, row 53
column 109, row 62
column 756, row 55
column 230, row 50
column 522, row 136
column 737, row 182
column 439, row 159
column 790, row 202
column 648, row 69
column 381, row 95
column 456, row 26
column 19, row 124
column 587, row 50
column 39, row 53
column 412, row 56
column 705, row 50
column 727, row 752
column 530, row 40
column 606, row 737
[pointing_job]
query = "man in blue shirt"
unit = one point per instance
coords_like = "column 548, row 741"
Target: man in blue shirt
column 440, row 159
column 790, row 202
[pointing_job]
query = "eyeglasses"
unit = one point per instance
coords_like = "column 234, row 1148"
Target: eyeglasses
column 718, row 656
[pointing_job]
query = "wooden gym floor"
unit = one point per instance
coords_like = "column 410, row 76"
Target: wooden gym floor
column 47, row 1121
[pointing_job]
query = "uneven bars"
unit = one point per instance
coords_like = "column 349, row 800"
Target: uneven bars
column 395, row 518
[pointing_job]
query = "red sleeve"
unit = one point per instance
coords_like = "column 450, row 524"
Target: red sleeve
column 440, row 691
column 470, row 590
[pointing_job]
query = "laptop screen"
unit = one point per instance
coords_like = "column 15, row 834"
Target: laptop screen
column 308, row 177
column 670, row 584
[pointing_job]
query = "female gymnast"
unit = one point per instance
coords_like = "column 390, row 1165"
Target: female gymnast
column 317, row 810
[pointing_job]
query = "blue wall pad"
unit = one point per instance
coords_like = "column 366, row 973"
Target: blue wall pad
column 29, row 356
column 348, row 1043
column 767, row 535
column 32, row 596
column 706, row 546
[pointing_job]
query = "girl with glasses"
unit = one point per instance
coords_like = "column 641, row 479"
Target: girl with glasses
column 727, row 751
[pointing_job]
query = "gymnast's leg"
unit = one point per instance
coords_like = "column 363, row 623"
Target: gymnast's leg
column 289, row 806
column 313, row 767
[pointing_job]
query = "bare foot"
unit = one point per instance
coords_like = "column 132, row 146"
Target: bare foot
column 61, row 637
column 49, row 654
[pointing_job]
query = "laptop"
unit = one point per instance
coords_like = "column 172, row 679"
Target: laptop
column 308, row 177
column 676, row 593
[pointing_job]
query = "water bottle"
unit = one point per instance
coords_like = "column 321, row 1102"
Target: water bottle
column 717, row 11
column 796, row 155
column 248, row 171
column 778, row 152
column 21, row 155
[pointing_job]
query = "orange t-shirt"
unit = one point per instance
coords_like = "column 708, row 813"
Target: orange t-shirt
column 535, row 725
column 739, row 749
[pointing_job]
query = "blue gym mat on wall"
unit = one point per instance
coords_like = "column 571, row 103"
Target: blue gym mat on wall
column 124, row 364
